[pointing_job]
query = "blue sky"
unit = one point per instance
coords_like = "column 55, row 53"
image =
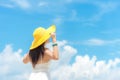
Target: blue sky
column 77, row 22
column 90, row 26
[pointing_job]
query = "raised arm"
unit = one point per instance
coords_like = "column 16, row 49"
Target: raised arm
column 55, row 54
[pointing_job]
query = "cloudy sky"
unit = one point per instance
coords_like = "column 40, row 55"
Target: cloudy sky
column 87, row 33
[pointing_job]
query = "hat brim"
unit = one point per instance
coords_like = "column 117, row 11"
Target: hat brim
column 45, row 37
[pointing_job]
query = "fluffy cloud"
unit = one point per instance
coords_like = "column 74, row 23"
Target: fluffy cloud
column 60, row 8
column 95, row 42
column 6, row 5
column 104, row 8
column 82, row 68
column 101, row 42
column 85, row 68
column 24, row 4
column 11, row 66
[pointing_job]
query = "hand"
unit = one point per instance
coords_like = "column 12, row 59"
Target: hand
column 53, row 35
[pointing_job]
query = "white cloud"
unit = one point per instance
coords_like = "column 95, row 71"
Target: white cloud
column 73, row 16
column 66, row 53
column 11, row 66
column 60, row 8
column 43, row 4
column 101, row 42
column 58, row 20
column 111, row 31
column 6, row 5
column 104, row 8
column 95, row 42
column 101, row 8
column 83, row 68
column 24, row 4
column 69, row 1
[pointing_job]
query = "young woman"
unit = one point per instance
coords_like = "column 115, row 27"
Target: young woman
column 39, row 56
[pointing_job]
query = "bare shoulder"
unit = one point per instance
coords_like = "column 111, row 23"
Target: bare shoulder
column 26, row 58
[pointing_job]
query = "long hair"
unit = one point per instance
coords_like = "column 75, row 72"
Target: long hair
column 36, row 54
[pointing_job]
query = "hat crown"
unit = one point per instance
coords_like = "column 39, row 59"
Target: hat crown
column 38, row 33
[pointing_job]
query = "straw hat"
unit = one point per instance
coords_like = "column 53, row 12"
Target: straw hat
column 41, row 35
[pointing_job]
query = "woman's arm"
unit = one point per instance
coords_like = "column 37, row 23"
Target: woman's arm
column 26, row 58
column 55, row 54
column 55, row 48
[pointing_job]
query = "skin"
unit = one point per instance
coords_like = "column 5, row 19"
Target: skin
column 48, row 55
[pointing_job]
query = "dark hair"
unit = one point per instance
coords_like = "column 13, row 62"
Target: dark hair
column 36, row 54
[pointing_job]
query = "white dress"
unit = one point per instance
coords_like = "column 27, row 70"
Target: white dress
column 40, row 72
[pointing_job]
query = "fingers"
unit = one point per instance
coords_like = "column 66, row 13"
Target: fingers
column 53, row 34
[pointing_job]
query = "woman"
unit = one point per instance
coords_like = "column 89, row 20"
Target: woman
column 39, row 56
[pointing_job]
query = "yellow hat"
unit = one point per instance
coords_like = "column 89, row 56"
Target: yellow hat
column 41, row 35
